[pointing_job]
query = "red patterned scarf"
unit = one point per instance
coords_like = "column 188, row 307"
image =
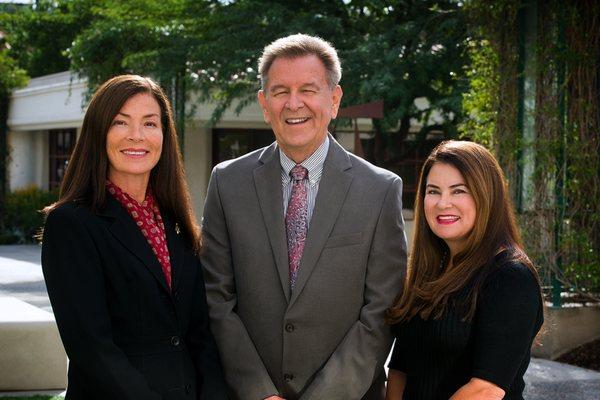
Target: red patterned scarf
column 147, row 217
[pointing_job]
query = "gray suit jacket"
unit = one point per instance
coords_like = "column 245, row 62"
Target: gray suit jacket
column 326, row 339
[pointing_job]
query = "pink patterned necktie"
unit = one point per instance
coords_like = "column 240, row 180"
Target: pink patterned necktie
column 296, row 220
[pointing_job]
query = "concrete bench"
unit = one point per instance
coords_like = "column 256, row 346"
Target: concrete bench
column 32, row 356
column 565, row 329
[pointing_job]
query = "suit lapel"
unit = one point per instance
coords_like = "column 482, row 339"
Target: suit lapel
column 333, row 188
column 127, row 232
column 267, row 180
column 176, row 247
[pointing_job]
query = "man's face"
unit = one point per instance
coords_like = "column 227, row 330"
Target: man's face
column 298, row 104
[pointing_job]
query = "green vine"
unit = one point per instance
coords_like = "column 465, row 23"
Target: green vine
column 548, row 79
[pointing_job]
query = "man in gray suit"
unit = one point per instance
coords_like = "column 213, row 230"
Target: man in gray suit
column 304, row 247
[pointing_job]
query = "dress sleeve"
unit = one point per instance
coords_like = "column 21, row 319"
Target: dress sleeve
column 508, row 316
column 397, row 361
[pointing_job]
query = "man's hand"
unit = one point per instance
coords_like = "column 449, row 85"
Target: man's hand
column 274, row 398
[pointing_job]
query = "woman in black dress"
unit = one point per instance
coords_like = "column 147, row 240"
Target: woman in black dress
column 471, row 305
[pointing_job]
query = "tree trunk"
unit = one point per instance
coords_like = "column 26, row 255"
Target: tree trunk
column 3, row 154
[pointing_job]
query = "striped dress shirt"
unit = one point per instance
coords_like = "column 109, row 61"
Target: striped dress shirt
column 314, row 165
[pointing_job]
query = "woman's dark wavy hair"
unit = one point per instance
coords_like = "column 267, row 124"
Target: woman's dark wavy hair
column 85, row 177
column 429, row 287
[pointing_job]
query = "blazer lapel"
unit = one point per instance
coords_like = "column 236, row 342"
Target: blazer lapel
column 267, row 180
column 176, row 247
column 333, row 188
column 127, row 232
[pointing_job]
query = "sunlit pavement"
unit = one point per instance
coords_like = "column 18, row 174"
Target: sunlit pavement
column 552, row 380
column 34, row 393
column 21, row 275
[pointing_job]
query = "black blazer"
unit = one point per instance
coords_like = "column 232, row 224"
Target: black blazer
column 127, row 336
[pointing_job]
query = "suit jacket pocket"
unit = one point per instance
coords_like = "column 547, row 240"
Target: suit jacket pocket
column 344, row 240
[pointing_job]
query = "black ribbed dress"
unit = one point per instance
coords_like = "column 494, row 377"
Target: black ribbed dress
column 440, row 356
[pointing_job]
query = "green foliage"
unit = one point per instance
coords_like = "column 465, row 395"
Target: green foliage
column 479, row 102
column 395, row 50
column 11, row 76
column 145, row 37
column 40, row 34
column 392, row 50
column 560, row 217
column 23, row 216
column 582, row 266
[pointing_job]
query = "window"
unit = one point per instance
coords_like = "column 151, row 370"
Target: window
column 408, row 167
column 232, row 143
column 405, row 159
column 61, row 143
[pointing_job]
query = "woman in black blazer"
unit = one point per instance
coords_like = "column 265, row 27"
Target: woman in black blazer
column 120, row 258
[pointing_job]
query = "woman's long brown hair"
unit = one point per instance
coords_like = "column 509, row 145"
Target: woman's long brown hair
column 85, row 177
column 432, row 278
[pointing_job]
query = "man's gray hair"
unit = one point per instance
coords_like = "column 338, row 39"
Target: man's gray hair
column 300, row 45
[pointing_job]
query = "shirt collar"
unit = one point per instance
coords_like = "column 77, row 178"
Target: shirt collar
column 314, row 163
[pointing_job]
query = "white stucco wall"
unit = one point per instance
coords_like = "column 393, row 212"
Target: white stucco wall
column 28, row 159
column 250, row 117
column 55, row 101
column 49, row 102
column 197, row 160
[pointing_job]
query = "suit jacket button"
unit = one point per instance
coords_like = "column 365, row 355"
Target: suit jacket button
column 288, row 377
column 175, row 341
column 289, row 327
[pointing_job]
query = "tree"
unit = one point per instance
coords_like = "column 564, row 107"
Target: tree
column 392, row 50
column 395, row 50
column 42, row 33
column 39, row 36
column 11, row 76
column 534, row 99
column 149, row 37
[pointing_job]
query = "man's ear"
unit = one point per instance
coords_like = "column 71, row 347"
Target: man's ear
column 262, row 100
column 336, row 100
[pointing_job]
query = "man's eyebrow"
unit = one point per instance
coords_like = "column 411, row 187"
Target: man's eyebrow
column 283, row 87
column 277, row 87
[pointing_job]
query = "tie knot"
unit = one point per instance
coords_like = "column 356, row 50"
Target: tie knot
column 298, row 173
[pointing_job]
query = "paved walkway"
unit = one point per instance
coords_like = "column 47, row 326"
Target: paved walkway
column 21, row 277
column 548, row 380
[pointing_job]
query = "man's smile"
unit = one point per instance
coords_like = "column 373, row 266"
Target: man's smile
column 296, row 121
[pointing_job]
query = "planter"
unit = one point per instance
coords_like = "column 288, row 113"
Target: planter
column 565, row 329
